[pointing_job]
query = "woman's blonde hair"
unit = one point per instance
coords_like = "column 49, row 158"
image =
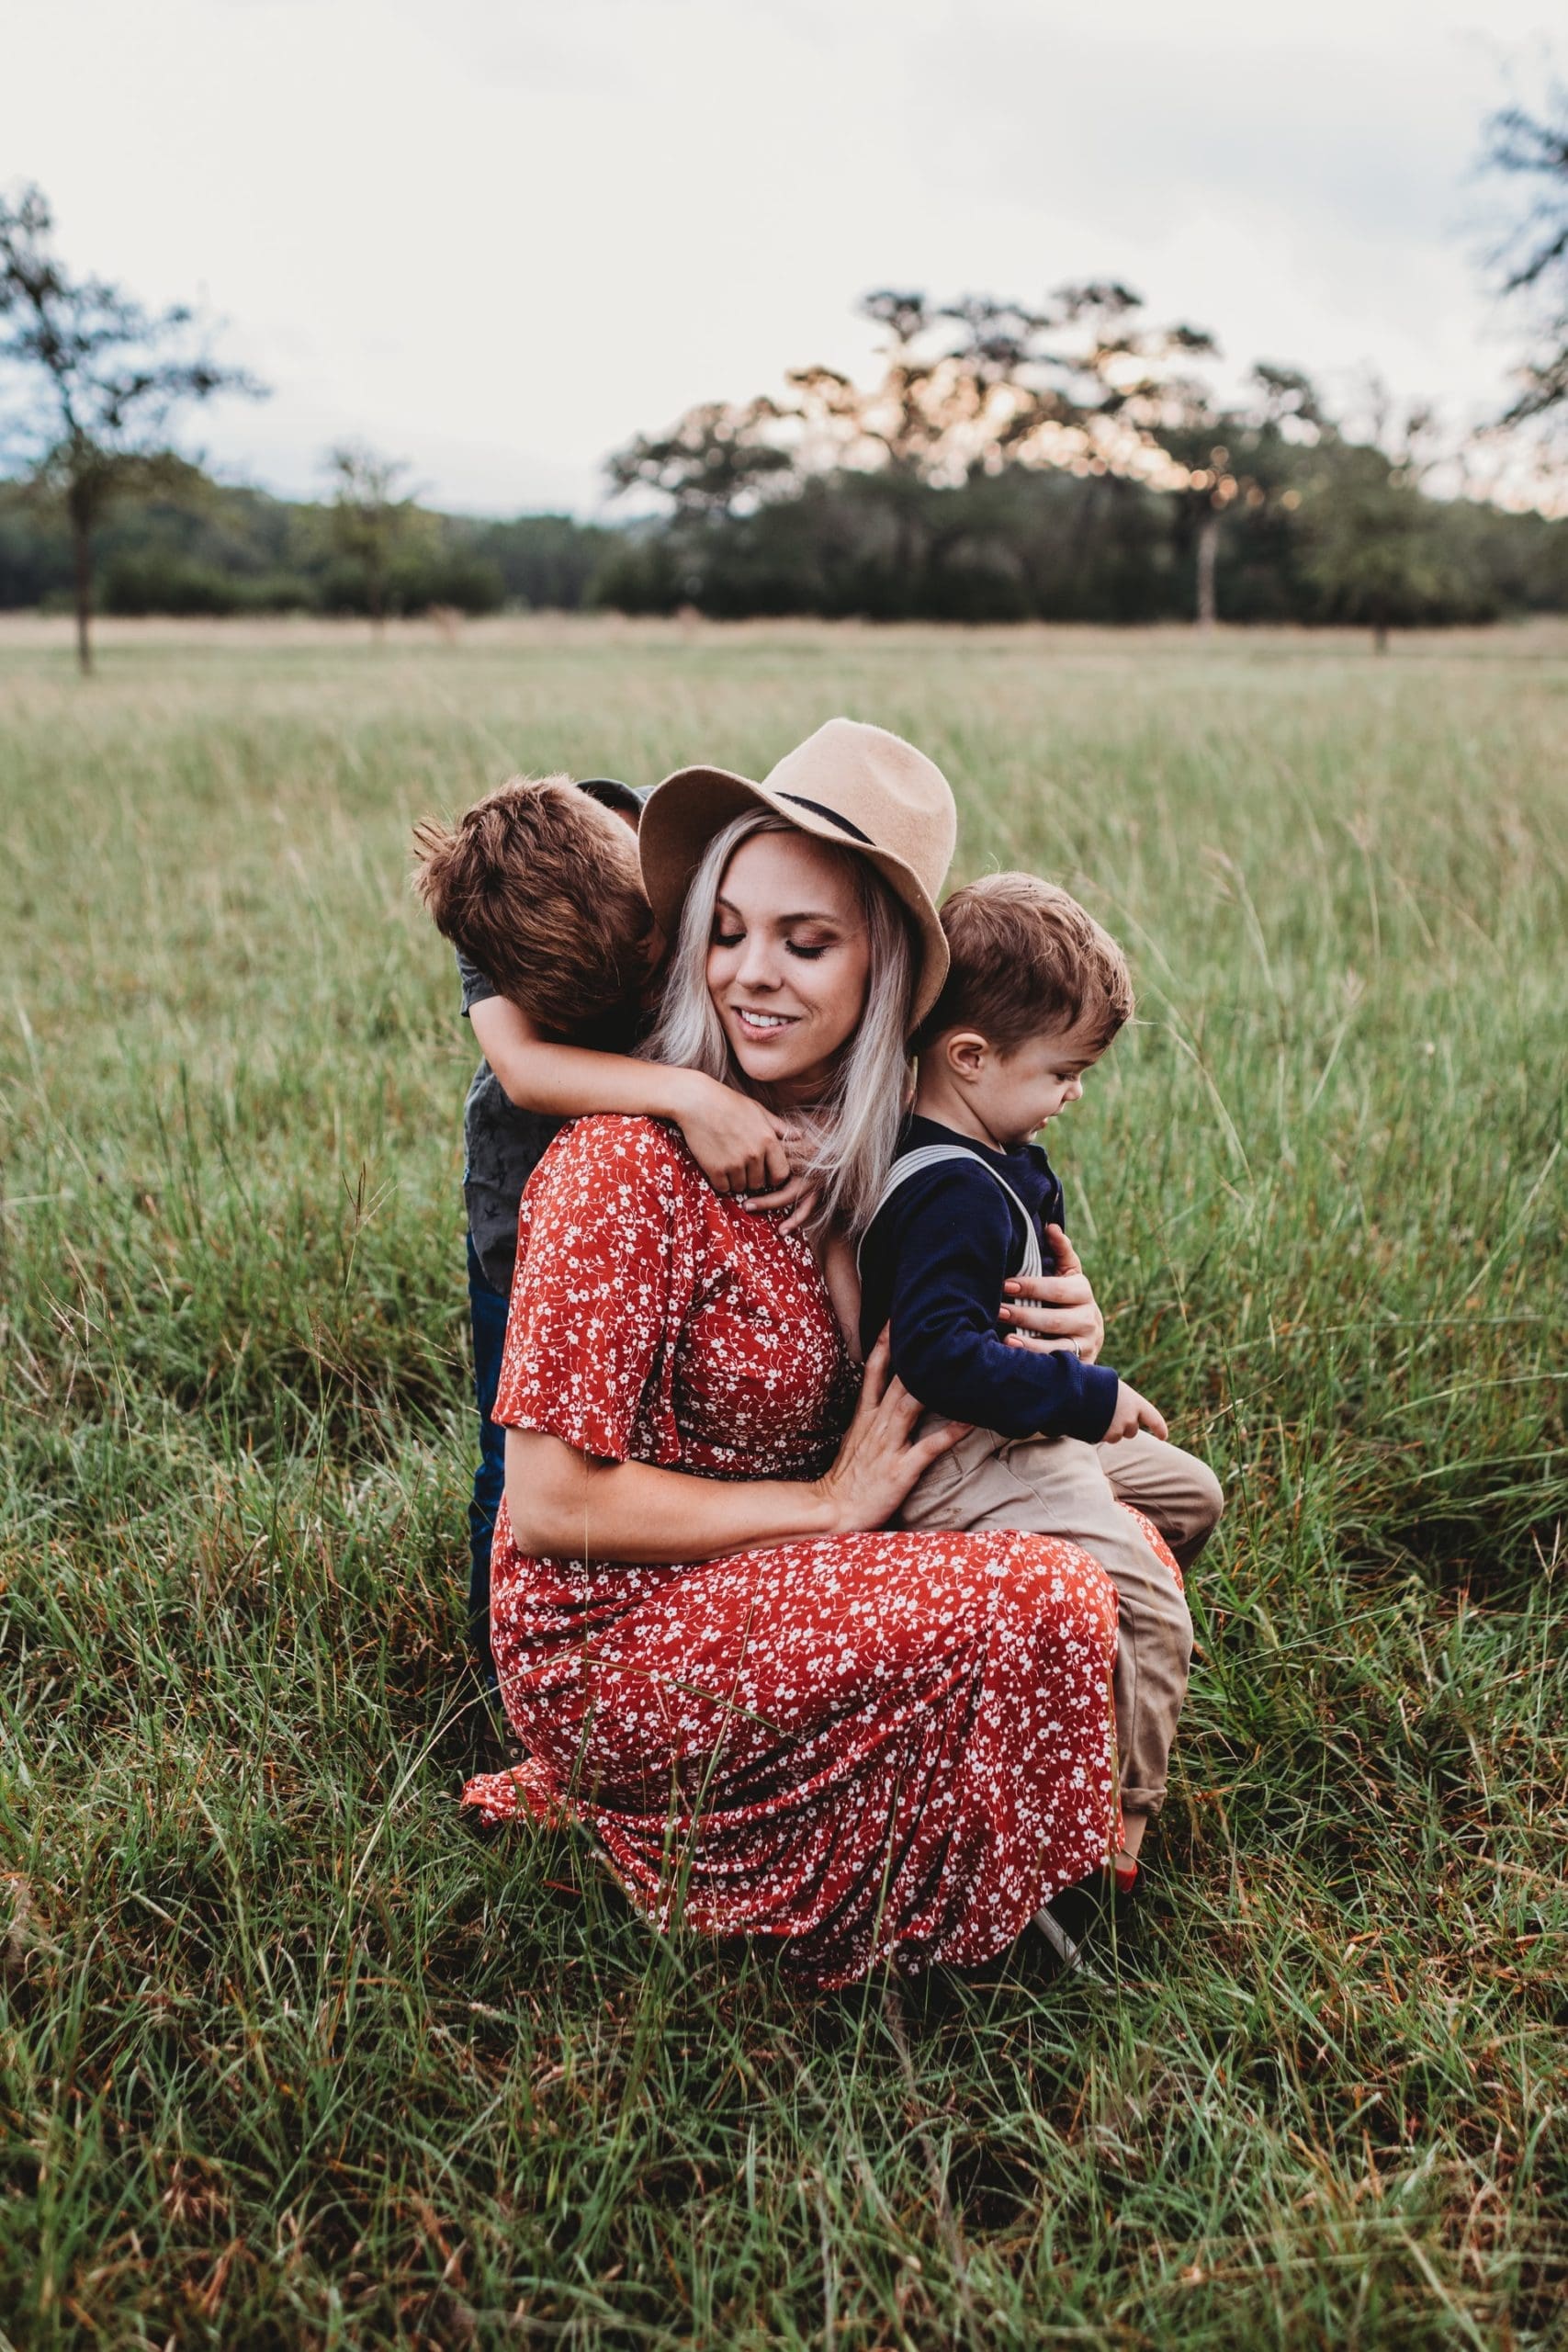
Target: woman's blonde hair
column 851, row 1134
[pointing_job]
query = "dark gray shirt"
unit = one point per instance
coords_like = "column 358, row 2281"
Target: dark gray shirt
column 504, row 1146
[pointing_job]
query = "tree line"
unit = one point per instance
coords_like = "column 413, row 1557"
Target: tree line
column 1068, row 459
column 221, row 550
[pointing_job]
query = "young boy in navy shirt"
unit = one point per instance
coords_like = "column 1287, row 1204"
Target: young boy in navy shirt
column 538, row 888
column 1036, row 993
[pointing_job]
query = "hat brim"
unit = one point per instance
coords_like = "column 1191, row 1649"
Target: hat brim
column 682, row 816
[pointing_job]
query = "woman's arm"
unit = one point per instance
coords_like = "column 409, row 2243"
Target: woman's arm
column 565, row 1506
column 739, row 1146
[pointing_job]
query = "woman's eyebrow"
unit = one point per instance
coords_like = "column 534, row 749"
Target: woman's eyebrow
column 832, row 923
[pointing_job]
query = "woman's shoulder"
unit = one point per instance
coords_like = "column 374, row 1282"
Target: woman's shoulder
column 621, row 1150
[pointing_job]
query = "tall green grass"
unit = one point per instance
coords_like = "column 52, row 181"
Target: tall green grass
column 289, row 2054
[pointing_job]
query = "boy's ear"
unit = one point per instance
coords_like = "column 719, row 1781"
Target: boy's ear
column 964, row 1052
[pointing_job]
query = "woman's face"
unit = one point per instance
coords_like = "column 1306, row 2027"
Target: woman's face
column 788, row 961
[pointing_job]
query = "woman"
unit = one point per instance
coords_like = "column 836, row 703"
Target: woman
column 778, row 1718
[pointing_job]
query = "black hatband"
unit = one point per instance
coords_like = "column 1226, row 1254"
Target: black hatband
column 832, row 816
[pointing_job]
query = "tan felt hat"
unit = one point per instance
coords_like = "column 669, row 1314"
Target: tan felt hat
column 855, row 786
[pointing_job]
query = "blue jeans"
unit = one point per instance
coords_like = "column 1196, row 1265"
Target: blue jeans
column 487, row 1310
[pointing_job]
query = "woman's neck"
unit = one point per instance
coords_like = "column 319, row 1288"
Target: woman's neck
column 808, row 1094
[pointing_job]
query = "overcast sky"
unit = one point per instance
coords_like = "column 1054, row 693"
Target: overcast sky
column 496, row 237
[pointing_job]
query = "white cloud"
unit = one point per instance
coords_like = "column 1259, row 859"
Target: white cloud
column 496, row 237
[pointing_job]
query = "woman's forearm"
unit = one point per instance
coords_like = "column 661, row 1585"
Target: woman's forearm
column 564, row 1505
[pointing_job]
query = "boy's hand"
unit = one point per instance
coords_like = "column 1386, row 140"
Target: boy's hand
column 1133, row 1413
column 739, row 1146
column 1049, row 1312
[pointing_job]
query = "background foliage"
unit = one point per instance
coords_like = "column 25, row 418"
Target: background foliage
column 289, row 2054
column 1040, row 545
column 222, row 550
column 1070, row 463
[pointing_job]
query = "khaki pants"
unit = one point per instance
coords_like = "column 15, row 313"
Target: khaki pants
column 1056, row 1485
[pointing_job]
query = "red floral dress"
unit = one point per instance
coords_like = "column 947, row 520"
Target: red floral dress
column 891, row 1745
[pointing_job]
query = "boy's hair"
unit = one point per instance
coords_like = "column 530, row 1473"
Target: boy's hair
column 1027, row 958
column 538, row 885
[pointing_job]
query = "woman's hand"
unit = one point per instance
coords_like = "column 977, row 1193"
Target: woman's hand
column 800, row 1196
column 739, row 1146
column 1050, row 1312
column 880, row 1458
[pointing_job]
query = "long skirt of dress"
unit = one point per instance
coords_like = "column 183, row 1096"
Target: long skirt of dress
column 882, row 1747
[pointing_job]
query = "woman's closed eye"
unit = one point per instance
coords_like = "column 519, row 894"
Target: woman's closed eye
column 808, row 950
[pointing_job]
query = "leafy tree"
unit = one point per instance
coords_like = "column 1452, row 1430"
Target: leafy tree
column 711, row 464
column 1533, row 263
column 1239, row 460
column 977, row 384
column 1377, row 548
column 1067, row 460
column 967, row 387
column 716, row 465
column 101, row 378
column 369, row 525
column 545, row 561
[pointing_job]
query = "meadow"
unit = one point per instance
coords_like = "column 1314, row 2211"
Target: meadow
column 290, row 2055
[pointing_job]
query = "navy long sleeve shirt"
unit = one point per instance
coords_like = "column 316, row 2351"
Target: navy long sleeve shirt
column 932, row 1265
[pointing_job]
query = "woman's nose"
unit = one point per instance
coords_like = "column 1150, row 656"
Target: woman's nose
column 758, row 968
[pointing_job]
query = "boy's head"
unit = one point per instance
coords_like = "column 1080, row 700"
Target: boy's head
column 1035, row 992
column 538, row 885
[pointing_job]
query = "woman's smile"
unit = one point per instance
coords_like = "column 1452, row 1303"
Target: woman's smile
column 759, row 1023
column 768, row 1043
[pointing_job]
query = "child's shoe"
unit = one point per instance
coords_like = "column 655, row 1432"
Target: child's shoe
column 1069, row 1920
column 1094, row 1927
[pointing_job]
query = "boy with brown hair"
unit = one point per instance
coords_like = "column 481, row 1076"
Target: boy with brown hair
column 538, row 888
column 1036, row 993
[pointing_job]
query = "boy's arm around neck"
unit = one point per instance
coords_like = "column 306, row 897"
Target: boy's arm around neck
column 540, row 1073
column 739, row 1146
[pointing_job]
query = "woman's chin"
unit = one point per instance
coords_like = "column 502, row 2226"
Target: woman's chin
column 771, row 1061
column 765, row 1066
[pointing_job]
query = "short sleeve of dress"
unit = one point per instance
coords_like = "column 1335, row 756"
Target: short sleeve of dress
column 603, row 1281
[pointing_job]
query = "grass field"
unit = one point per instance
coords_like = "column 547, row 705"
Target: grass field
column 289, row 2054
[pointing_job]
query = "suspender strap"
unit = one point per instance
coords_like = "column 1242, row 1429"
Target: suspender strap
column 934, row 1155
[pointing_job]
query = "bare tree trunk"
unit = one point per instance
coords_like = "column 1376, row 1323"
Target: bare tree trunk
column 82, row 550
column 1380, row 637
column 1208, row 552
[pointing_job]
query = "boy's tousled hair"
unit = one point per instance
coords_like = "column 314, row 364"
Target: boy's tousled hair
column 1027, row 958
column 538, row 885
